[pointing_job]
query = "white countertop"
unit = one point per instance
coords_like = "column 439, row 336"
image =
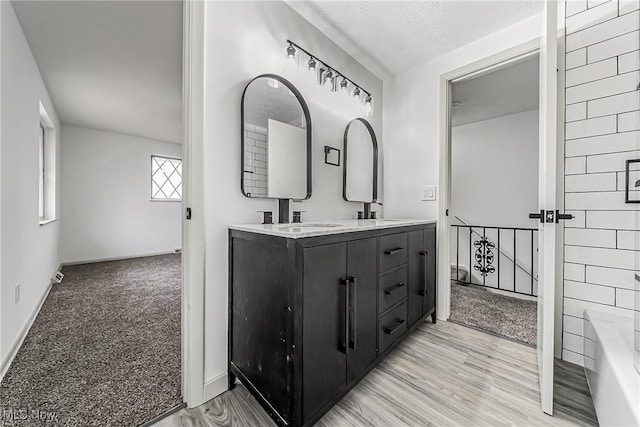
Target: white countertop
column 323, row 228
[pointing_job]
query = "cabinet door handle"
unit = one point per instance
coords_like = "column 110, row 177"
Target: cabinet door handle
column 390, row 331
column 393, row 251
column 425, row 258
column 393, row 288
column 345, row 344
column 354, row 313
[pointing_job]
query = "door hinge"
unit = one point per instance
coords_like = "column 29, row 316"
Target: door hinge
column 446, row 212
column 188, row 213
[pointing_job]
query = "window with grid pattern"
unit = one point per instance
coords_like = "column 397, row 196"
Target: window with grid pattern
column 166, row 178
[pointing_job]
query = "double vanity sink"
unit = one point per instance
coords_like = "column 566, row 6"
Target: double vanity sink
column 320, row 228
column 313, row 307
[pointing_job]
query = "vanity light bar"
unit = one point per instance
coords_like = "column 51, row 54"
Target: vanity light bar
column 333, row 73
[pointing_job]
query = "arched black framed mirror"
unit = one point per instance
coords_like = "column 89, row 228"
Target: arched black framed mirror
column 360, row 171
column 275, row 139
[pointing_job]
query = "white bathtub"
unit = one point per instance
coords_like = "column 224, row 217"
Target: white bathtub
column 609, row 366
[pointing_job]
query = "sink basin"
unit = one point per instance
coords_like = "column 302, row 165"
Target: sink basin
column 288, row 227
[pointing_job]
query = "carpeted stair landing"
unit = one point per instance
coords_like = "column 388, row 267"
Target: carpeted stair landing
column 104, row 349
column 510, row 317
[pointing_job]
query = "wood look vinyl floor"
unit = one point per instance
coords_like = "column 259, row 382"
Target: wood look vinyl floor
column 441, row 375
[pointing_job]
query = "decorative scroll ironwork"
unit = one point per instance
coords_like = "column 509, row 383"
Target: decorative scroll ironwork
column 484, row 256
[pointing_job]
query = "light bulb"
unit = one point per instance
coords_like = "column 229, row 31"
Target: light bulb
column 311, row 64
column 368, row 106
column 291, row 52
column 328, row 79
column 344, row 84
column 356, row 92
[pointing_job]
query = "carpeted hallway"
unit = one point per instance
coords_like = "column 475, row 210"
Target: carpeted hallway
column 510, row 317
column 104, row 349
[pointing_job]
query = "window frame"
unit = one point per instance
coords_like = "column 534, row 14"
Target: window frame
column 48, row 168
column 41, row 172
column 151, row 181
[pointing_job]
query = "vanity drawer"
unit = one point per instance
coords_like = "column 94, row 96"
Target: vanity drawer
column 392, row 326
column 393, row 251
column 392, row 289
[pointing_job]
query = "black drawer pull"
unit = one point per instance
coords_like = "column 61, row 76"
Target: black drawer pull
column 393, row 251
column 394, row 288
column 390, row 331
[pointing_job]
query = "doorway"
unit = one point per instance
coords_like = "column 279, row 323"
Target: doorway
column 112, row 330
column 494, row 185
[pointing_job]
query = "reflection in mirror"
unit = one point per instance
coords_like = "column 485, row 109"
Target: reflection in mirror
column 360, row 179
column 276, row 138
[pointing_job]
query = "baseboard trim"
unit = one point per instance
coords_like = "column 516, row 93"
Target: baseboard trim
column 216, row 386
column 25, row 330
column 120, row 258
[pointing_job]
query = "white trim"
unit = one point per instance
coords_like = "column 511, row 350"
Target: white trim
column 559, row 296
column 25, row 330
column 193, row 233
column 117, row 258
column 216, row 385
column 501, row 59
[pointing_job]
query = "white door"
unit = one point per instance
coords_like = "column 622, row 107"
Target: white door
column 549, row 229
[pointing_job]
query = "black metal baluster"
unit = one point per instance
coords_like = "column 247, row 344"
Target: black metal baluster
column 531, row 262
column 484, row 256
column 457, row 254
column 470, row 264
column 498, row 258
column 515, row 232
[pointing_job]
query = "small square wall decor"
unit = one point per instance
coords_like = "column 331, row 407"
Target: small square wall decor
column 331, row 156
column 632, row 181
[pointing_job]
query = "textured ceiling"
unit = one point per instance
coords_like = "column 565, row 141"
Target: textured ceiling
column 509, row 90
column 111, row 65
column 397, row 35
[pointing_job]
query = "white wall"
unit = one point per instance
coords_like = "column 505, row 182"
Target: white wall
column 494, row 170
column 494, row 182
column 244, row 39
column 30, row 252
column 602, row 132
column 106, row 203
column 411, row 119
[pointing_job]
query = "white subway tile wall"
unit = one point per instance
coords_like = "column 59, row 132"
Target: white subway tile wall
column 255, row 160
column 602, row 131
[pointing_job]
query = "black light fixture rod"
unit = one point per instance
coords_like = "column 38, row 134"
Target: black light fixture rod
column 326, row 64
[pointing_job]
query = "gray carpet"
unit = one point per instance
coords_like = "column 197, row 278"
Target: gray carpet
column 509, row 317
column 104, row 350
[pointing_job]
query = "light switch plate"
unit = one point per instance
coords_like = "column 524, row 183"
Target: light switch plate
column 428, row 193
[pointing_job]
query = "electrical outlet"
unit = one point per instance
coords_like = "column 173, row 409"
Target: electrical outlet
column 17, row 293
column 428, row 192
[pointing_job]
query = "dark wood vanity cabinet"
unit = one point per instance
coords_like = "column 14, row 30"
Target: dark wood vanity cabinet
column 309, row 317
column 422, row 274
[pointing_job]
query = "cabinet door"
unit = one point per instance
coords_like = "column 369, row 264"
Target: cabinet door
column 324, row 325
column 430, row 248
column 416, row 276
column 361, row 271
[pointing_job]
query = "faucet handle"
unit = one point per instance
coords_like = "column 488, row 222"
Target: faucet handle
column 267, row 217
column 297, row 216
